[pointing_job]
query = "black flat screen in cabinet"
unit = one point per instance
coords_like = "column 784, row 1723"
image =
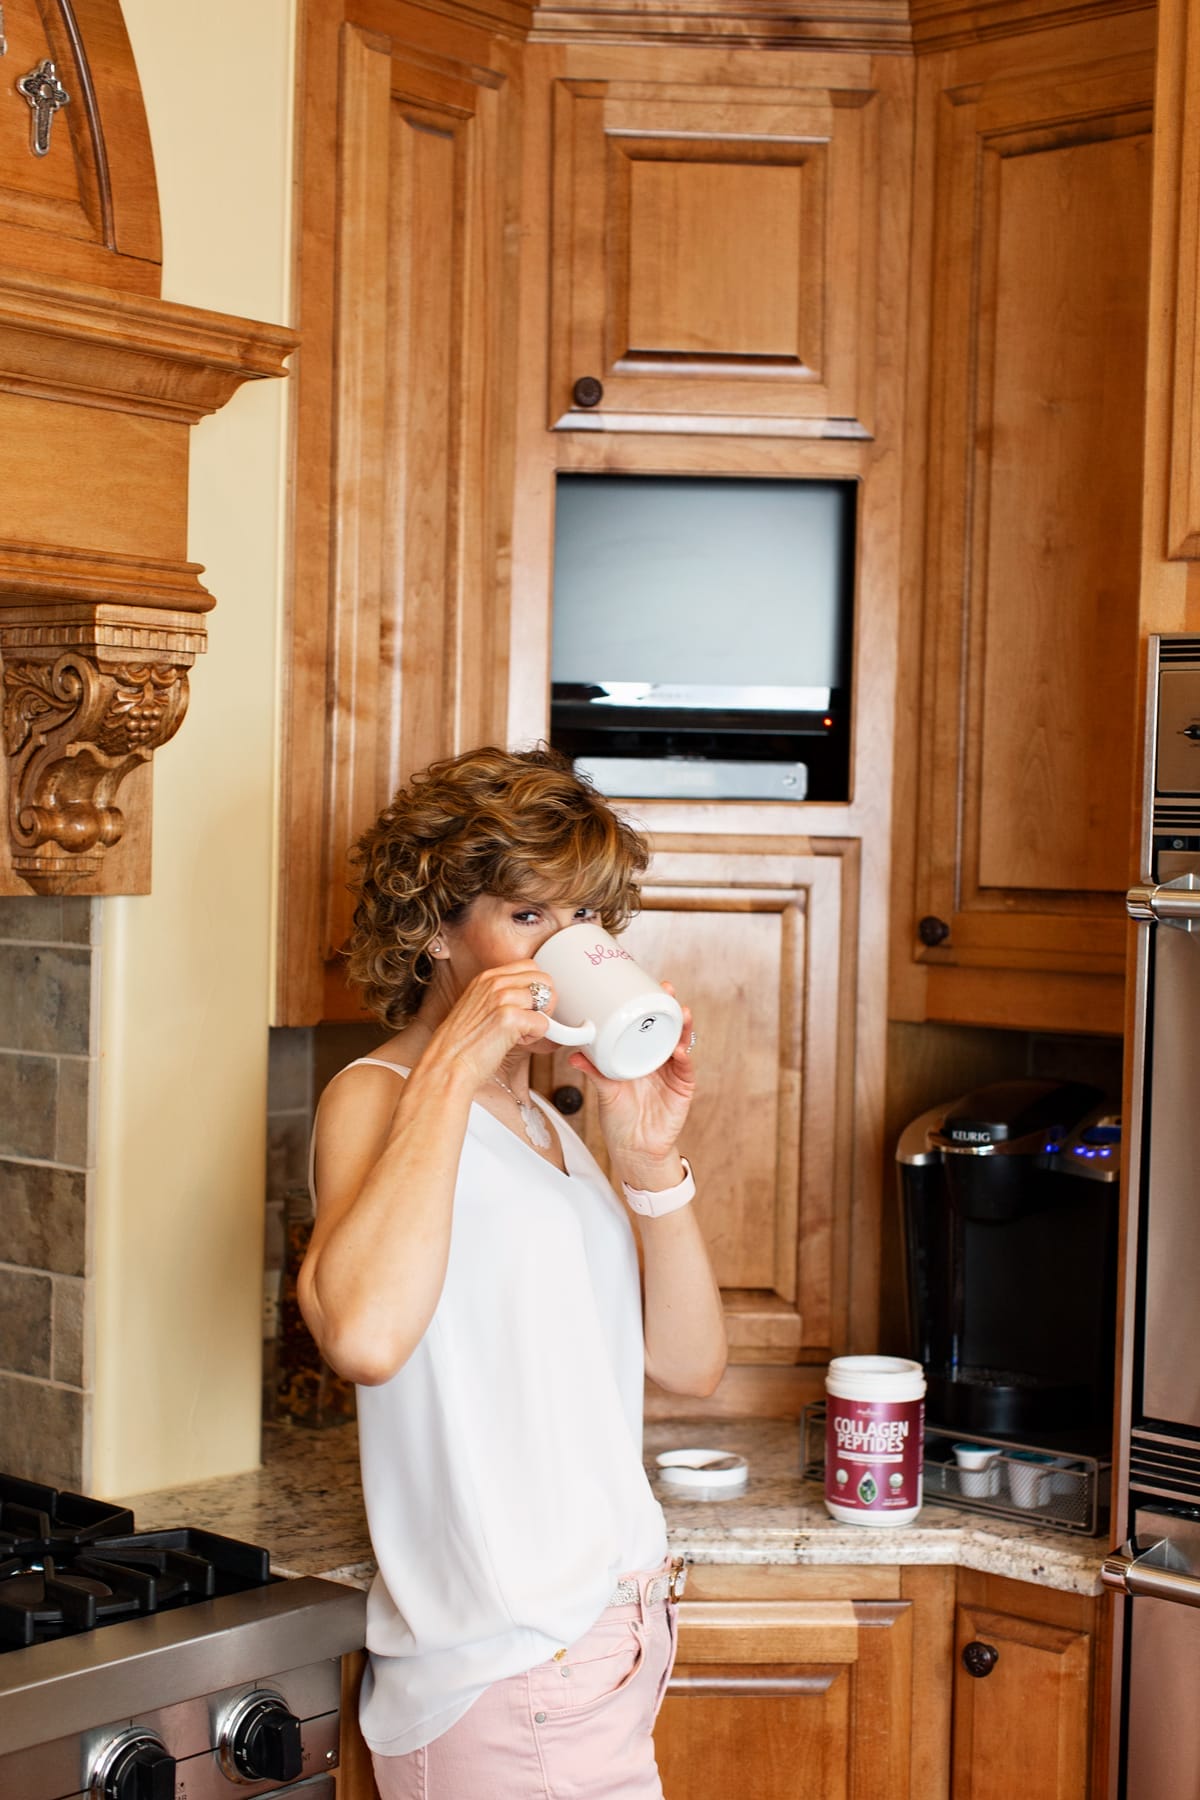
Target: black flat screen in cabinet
column 705, row 619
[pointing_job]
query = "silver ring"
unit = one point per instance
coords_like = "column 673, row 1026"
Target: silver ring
column 692, row 1041
column 540, row 995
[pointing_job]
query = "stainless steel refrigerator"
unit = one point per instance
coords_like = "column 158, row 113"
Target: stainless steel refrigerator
column 1157, row 1467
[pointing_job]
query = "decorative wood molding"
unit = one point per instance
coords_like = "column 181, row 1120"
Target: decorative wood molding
column 60, row 579
column 949, row 24
column 747, row 24
column 136, row 354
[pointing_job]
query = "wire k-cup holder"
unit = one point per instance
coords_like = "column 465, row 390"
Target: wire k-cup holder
column 1031, row 1482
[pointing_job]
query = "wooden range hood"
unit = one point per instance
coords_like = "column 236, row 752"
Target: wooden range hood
column 101, row 615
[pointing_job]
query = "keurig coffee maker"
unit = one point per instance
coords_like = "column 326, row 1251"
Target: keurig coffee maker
column 1009, row 1203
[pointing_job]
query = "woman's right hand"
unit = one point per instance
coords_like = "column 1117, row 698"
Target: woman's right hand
column 492, row 1017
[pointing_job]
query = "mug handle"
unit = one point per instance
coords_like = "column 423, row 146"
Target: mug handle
column 570, row 1034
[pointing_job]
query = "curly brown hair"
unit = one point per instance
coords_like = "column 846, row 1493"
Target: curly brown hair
column 519, row 824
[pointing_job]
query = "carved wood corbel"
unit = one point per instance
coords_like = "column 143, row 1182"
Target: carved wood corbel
column 77, row 721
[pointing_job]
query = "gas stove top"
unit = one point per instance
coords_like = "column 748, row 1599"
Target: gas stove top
column 158, row 1665
column 69, row 1565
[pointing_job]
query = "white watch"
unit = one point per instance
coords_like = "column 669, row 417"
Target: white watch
column 653, row 1205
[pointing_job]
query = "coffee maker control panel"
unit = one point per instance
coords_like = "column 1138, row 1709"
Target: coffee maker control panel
column 1092, row 1150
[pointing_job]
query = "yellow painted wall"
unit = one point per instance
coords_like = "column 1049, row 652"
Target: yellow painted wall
column 177, row 1213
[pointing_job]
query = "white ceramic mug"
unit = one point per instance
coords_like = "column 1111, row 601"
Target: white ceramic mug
column 605, row 1004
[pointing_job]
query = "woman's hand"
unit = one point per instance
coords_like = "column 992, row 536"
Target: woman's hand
column 641, row 1120
column 492, row 1017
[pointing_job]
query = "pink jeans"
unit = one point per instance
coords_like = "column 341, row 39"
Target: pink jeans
column 573, row 1729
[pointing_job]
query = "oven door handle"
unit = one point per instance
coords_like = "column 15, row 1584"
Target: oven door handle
column 1141, row 1569
column 1169, row 903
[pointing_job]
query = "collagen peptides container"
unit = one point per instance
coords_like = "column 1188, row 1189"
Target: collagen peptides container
column 874, row 1435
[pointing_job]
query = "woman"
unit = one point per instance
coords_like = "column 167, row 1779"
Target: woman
column 474, row 1272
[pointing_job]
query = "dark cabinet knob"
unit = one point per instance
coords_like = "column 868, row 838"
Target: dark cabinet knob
column 567, row 1099
column 932, row 931
column 980, row 1659
column 587, row 391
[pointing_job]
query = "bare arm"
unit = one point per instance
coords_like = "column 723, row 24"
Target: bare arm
column 387, row 1155
column 684, row 1322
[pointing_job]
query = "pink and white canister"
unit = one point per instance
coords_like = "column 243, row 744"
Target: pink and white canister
column 874, row 1439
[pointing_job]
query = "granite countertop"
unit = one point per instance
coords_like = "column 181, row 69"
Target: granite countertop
column 305, row 1505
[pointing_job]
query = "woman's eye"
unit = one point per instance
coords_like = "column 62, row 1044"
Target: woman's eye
column 527, row 916
column 585, row 914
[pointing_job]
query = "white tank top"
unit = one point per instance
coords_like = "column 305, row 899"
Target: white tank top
column 502, row 1465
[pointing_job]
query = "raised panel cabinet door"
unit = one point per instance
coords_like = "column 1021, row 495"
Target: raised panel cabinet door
column 1022, row 1727
column 417, row 473
column 1039, row 318
column 755, row 943
column 1178, row 114
column 783, row 1700
column 713, row 257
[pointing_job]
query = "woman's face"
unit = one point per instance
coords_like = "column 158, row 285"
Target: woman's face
column 493, row 932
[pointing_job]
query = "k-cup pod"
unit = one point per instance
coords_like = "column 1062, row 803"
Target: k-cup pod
column 874, row 1439
column 1029, row 1477
column 606, row 1005
column 978, row 1471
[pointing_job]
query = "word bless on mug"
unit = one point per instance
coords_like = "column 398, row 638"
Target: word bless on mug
column 606, row 953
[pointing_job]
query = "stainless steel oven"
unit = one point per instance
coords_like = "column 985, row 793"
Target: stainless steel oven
column 1157, row 1490
column 166, row 1665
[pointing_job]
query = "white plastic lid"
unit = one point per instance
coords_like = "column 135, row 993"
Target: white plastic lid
column 707, row 1469
column 875, row 1378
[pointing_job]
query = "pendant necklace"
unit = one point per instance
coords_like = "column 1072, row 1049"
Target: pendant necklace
column 536, row 1128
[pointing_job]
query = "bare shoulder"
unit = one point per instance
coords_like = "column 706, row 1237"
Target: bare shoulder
column 352, row 1121
column 360, row 1092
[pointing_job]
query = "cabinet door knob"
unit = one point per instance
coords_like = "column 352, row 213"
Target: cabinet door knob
column 567, row 1099
column 932, row 930
column 980, row 1659
column 587, row 391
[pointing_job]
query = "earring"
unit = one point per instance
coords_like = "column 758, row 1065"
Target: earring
column 435, row 948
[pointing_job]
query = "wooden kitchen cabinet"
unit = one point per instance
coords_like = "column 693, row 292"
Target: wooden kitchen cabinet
column 801, row 1684
column 1026, row 1722
column 848, row 1683
column 355, row 1777
column 760, row 939
column 714, row 243
column 403, row 430
column 1016, row 743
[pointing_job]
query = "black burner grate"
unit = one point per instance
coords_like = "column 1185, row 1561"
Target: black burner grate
column 69, row 1564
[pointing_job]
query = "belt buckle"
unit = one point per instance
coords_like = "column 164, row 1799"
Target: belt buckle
column 676, row 1580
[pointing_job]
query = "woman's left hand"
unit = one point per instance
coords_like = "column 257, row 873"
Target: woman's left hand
column 641, row 1120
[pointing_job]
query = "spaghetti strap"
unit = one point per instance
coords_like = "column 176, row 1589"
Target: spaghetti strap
column 379, row 1062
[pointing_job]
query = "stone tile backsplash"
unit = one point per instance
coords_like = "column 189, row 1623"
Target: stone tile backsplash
column 296, row 1384
column 48, row 971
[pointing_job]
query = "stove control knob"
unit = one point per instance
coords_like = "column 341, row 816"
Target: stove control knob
column 135, row 1766
column 261, row 1741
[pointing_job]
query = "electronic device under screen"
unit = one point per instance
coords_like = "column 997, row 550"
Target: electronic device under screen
column 702, row 634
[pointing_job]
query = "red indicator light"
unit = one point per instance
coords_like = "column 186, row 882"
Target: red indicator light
column 827, row 720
